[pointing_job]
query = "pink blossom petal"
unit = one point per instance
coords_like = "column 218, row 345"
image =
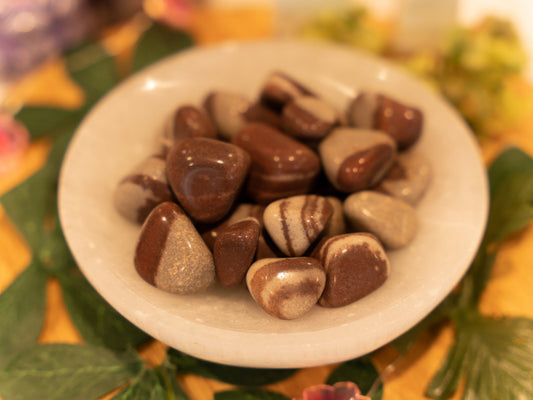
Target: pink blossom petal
column 176, row 13
column 339, row 391
column 14, row 140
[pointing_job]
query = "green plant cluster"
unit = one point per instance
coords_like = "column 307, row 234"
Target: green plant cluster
column 471, row 66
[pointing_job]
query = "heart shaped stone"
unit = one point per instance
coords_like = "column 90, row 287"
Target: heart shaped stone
column 286, row 288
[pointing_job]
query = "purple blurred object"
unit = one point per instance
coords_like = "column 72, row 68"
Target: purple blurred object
column 339, row 391
column 14, row 140
column 31, row 31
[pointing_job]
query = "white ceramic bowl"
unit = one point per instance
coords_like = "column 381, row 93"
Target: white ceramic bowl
column 225, row 325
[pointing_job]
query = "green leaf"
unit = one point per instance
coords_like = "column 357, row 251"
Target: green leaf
column 225, row 373
column 93, row 69
column 146, row 387
column 54, row 254
column 495, row 356
column 446, row 381
column 34, row 200
column 511, row 209
column 249, row 394
column 45, row 121
column 28, row 204
column 66, row 372
column 22, row 307
column 167, row 376
column 511, row 194
column 157, row 42
column 95, row 319
column 360, row 371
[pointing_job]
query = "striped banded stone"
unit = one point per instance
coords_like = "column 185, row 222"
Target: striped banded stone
column 170, row 253
column 355, row 264
column 295, row 222
column 286, row 288
column 356, row 159
column 142, row 189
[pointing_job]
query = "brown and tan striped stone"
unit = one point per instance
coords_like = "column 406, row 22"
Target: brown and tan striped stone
column 170, row 253
column 356, row 159
column 142, row 189
column 296, row 222
column 286, row 288
column 356, row 264
column 402, row 122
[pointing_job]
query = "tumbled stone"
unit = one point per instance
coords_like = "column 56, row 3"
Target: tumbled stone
column 393, row 221
column 171, row 255
column 258, row 112
column 281, row 166
column 142, row 189
column 309, row 118
column 234, row 251
column 336, row 224
column 377, row 111
column 185, row 122
column 279, row 89
column 206, row 176
column 355, row 264
column 286, row 288
column 408, row 178
column 241, row 211
column 295, row 222
column 356, row 159
column 227, row 111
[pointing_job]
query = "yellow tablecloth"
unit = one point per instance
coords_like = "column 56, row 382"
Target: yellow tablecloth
column 509, row 291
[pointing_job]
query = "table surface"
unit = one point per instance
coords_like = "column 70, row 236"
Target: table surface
column 508, row 292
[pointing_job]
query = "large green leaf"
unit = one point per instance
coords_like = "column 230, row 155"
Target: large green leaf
column 157, row 42
column 47, row 121
column 96, row 320
column 66, row 372
column 22, row 307
column 146, row 387
column 511, row 194
column 167, row 376
column 225, row 373
column 33, row 201
column 511, row 209
column 494, row 355
column 93, row 69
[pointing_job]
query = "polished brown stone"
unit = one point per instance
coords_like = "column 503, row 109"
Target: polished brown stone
column 206, row 176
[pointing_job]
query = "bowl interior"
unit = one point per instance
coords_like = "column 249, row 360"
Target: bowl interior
column 225, row 325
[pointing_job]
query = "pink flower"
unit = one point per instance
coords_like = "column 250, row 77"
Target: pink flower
column 339, row 391
column 14, row 140
column 178, row 14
